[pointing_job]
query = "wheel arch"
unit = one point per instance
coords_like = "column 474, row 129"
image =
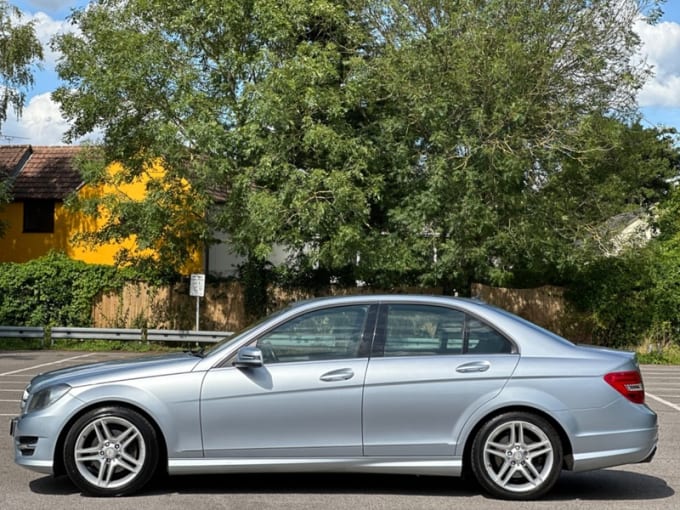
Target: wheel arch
column 567, row 447
column 58, row 463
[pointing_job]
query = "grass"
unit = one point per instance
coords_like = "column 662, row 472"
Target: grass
column 669, row 355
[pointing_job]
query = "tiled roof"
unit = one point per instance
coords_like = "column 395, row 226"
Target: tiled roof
column 47, row 174
column 11, row 158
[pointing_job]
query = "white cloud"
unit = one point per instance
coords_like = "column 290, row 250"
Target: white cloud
column 661, row 47
column 45, row 29
column 40, row 124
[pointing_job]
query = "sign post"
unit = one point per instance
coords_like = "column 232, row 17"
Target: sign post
column 197, row 288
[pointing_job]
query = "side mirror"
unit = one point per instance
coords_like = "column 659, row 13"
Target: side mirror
column 249, row 357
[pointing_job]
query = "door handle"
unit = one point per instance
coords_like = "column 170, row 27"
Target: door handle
column 341, row 374
column 475, row 366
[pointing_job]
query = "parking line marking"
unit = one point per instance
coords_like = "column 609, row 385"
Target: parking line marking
column 665, row 402
column 47, row 364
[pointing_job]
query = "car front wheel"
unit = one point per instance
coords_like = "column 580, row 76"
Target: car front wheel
column 516, row 455
column 111, row 451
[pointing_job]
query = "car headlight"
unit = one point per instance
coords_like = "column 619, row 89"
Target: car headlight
column 46, row 397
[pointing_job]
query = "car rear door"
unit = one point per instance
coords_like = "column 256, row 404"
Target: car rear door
column 432, row 366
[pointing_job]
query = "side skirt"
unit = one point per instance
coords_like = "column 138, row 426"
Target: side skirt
column 443, row 466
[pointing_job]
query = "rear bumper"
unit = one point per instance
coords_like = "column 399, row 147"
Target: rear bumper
column 610, row 458
column 650, row 456
column 597, row 444
column 597, row 449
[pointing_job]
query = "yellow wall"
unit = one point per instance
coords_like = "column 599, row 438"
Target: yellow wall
column 17, row 246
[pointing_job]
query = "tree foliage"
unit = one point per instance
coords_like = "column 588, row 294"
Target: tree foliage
column 20, row 50
column 635, row 296
column 166, row 227
column 411, row 141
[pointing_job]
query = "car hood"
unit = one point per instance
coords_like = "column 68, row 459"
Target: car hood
column 117, row 370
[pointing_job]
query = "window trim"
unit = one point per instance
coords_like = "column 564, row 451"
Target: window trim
column 367, row 334
column 380, row 337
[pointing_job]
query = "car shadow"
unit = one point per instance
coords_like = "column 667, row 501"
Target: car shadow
column 609, row 485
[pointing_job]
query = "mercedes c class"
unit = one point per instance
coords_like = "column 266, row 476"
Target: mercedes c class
column 380, row 384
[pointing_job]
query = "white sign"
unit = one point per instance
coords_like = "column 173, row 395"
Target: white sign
column 197, row 285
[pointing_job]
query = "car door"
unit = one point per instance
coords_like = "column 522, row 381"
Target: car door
column 432, row 366
column 305, row 401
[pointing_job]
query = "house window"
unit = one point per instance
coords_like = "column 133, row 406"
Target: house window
column 39, row 216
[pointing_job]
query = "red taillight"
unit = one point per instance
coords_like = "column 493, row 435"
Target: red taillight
column 629, row 384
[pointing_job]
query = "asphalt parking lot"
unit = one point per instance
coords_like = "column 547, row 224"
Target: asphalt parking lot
column 649, row 486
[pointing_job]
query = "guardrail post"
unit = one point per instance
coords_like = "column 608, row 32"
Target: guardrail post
column 47, row 337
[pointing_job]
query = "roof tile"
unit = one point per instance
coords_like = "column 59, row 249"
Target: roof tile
column 48, row 174
column 11, row 158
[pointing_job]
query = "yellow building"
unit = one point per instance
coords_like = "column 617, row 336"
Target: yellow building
column 37, row 222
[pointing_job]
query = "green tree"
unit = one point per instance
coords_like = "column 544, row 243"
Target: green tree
column 410, row 141
column 20, row 51
column 494, row 99
column 619, row 175
column 634, row 295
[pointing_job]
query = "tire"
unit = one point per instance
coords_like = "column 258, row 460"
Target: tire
column 111, row 451
column 517, row 456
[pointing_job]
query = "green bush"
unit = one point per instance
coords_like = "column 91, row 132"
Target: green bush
column 53, row 291
column 633, row 298
column 613, row 294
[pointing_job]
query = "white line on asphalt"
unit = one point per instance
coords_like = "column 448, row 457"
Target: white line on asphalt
column 665, row 402
column 15, row 400
column 47, row 364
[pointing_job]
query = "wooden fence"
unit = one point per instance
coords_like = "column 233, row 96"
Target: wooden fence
column 171, row 307
column 545, row 306
column 223, row 309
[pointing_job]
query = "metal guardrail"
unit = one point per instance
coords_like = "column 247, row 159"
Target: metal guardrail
column 143, row 335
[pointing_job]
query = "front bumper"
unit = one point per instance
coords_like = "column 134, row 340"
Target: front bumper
column 31, row 450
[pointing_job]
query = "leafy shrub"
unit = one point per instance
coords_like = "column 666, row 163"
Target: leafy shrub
column 53, row 291
column 613, row 293
column 632, row 298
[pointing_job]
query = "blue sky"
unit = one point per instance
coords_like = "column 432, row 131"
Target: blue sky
column 42, row 124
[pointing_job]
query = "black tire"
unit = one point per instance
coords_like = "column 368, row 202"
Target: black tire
column 517, row 455
column 111, row 451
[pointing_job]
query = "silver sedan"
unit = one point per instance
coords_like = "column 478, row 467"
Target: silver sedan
column 382, row 384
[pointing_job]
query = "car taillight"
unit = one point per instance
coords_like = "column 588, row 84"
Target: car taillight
column 629, row 384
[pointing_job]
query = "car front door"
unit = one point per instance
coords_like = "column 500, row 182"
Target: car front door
column 305, row 401
column 432, row 367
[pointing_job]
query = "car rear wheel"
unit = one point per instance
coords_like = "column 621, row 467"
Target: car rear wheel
column 517, row 455
column 111, row 451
